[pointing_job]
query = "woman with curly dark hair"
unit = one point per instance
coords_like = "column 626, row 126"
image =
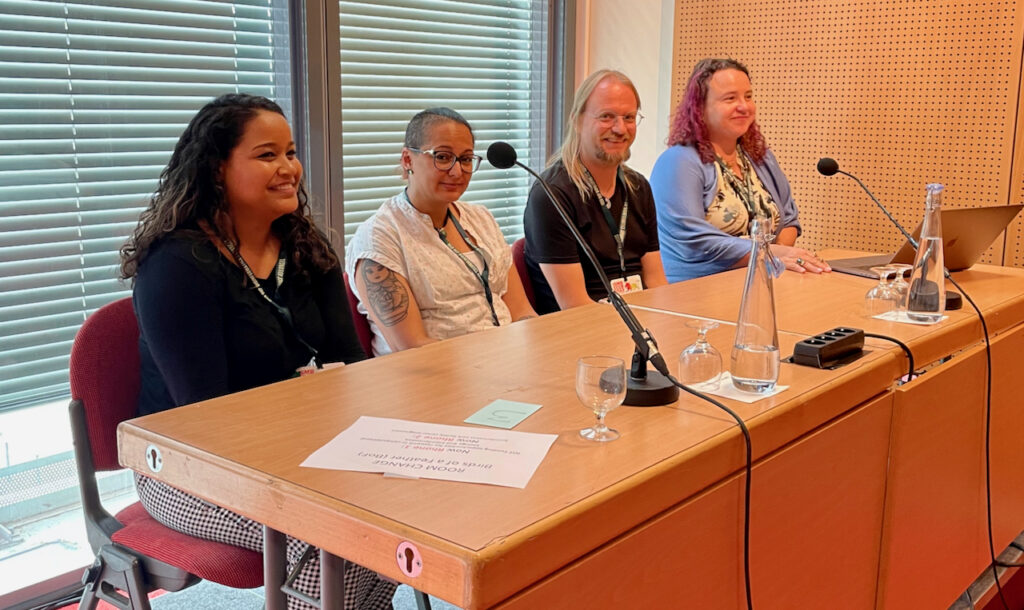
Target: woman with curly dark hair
column 716, row 176
column 235, row 288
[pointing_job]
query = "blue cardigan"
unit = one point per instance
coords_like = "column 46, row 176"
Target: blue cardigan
column 683, row 189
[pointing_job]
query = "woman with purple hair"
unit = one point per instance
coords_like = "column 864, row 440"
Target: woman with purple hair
column 716, row 176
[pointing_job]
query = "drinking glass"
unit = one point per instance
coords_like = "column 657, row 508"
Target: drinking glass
column 882, row 298
column 601, row 387
column 900, row 285
column 700, row 362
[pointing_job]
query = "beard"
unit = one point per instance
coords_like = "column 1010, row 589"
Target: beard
column 617, row 158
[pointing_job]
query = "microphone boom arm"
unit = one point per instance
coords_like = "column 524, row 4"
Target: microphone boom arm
column 645, row 343
column 910, row 239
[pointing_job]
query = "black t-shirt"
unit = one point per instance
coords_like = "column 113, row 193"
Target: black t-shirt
column 548, row 240
column 205, row 332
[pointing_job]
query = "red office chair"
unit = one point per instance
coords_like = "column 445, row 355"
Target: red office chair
column 519, row 258
column 134, row 553
column 361, row 323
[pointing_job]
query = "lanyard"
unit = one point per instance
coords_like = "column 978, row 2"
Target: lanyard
column 744, row 189
column 284, row 312
column 619, row 232
column 484, row 276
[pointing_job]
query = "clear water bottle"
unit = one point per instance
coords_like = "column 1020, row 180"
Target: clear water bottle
column 926, row 296
column 755, row 352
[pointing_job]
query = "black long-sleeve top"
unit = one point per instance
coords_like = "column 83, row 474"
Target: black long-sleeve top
column 204, row 331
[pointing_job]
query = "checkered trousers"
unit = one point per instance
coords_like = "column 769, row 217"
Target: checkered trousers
column 364, row 589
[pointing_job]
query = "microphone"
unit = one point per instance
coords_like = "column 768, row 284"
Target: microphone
column 829, row 167
column 502, row 156
column 645, row 388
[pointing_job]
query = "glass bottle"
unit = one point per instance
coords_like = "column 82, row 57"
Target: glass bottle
column 926, row 297
column 755, row 353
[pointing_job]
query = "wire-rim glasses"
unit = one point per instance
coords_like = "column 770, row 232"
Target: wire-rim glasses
column 444, row 160
column 607, row 119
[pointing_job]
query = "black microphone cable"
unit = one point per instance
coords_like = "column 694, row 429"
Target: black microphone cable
column 746, row 488
column 903, row 346
column 503, row 156
column 988, row 438
column 829, row 167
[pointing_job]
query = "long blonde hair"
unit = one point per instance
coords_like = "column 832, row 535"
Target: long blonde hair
column 569, row 152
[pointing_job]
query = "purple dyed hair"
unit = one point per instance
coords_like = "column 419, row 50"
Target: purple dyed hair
column 688, row 127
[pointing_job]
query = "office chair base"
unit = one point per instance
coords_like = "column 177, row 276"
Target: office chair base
column 114, row 574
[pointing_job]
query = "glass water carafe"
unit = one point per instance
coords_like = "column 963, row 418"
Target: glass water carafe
column 926, row 296
column 755, row 354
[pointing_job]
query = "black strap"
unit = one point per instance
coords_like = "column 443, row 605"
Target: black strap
column 745, row 188
column 618, row 231
column 484, row 277
column 282, row 311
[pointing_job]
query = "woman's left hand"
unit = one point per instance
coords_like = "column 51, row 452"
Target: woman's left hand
column 800, row 260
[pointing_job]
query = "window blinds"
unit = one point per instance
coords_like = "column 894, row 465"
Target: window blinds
column 93, row 96
column 485, row 59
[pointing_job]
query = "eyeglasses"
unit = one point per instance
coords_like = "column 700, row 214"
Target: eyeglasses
column 445, row 160
column 607, row 119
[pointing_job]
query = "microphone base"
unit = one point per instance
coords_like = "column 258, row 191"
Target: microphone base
column 653, row 391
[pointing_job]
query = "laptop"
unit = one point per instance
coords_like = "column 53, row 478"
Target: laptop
column 966, row 234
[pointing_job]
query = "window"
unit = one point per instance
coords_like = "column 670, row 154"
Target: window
column 485, row 59
column 93, row 96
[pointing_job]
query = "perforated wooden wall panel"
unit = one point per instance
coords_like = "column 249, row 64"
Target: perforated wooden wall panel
column 1014, row 254
column 900, row 92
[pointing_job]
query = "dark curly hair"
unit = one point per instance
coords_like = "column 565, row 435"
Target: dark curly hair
column 688, row 127
column 190, row 197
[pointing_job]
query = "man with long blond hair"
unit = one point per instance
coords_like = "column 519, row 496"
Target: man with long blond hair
column 609, row 203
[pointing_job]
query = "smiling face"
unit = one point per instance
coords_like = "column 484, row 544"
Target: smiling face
column 374, row 272
column 729, row 109
column 431, row 187
column 261, row 175
column 605, row 136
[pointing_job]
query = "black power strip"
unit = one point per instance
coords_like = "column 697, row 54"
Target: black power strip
column 830, row 349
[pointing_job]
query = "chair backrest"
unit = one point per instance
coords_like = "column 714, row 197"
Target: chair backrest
column 104, row 373
column 361, row 323
column 519, row 258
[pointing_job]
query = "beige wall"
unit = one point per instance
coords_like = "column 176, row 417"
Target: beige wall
column 900, row 93
column 634, row 37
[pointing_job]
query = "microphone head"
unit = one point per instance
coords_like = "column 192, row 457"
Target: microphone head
column 827, row 167
column 501, row 155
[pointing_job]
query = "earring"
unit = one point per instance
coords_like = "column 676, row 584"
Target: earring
column 409, row 170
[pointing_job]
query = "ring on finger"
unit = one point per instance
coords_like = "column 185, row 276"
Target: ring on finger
column 800, row 262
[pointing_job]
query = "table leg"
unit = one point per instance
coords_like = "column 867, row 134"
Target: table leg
column 275, row 561
column 332, row 581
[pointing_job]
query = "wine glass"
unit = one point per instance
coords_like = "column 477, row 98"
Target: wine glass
column 601, row 387
column 700, row 362
column 881, row 298
column 900, row 285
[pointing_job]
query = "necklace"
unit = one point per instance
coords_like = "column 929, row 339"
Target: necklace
column 444, row 223
column 742, row 184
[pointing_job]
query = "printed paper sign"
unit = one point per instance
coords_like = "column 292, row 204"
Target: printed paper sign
column 435, row 451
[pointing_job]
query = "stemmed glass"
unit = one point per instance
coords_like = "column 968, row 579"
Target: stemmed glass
column 601, row 387
column 900, row 285
column 700, row 362
column 881, row 298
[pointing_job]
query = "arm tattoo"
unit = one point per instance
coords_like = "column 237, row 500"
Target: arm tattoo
column 385, row 293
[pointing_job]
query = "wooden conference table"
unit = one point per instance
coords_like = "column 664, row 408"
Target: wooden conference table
column 864, row 495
